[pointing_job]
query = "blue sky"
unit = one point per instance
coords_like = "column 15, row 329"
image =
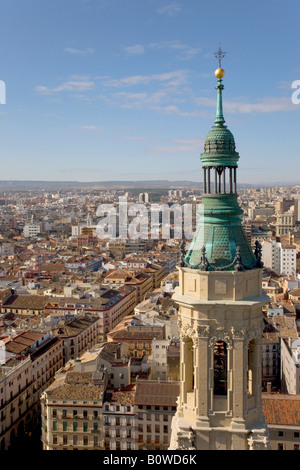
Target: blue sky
column 101, row 90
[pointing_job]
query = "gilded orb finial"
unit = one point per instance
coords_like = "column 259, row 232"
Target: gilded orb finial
column 219, row 73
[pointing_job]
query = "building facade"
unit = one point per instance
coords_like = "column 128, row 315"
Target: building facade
column 279, row 257
column 290, row 365
column 31, row 361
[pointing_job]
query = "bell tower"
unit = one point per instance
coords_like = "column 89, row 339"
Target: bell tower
column 220, row 301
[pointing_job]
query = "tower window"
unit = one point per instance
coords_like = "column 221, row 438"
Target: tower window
column 220, row 368
column 251, row 367
column 189, row 364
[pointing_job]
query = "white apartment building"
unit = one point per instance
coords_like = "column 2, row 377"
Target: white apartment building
column 270, row 360
column 278, row 257
column 119, row 420
column 32, row 229
column 290, row 365
column 159, row 362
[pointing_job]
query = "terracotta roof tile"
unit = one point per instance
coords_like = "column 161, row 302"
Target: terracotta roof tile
column 281, row 410
column 156, row 393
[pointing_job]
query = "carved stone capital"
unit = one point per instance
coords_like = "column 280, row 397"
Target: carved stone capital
column 187, row 332
column 238, row 333
column 186, row 440
column 259, row 440
column 220, row 334
column 203, row 331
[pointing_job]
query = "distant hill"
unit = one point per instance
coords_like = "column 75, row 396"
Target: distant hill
column 27, row 185
column 17, row 185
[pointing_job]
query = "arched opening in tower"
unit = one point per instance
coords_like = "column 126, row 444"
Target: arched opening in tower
column 250, row 368
column 220, row 368
column 189, row 364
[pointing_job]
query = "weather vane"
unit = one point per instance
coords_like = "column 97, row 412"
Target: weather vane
column 220, row 55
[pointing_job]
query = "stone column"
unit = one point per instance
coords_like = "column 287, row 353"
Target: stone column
column 239, row 377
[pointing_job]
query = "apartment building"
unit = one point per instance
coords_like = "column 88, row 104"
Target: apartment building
column 114, row 358
column 159, row 360
column 28, row 367
column 110, row 306
column 284, row 223
column 158, row 271
column 77, row 334
column 32, row 229
column 119, row 419
column 279, row 257
column 88, row 263
column 138, row 337
column 98, row 383
column 270, row 361
column 23, row 304
column 282, row 413
column 142, row 282
column 81, row 411
column 71, row 411
column 6, row 249
column 155, row 406
column 290, row 365
column 164, row 359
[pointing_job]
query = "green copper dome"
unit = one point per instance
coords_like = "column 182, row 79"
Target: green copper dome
column 219, row 147
column 220, row 242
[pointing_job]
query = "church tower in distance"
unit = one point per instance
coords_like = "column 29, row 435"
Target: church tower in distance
column 220, row 301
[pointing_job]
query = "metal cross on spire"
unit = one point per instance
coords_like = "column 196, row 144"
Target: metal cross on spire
column 220, row 55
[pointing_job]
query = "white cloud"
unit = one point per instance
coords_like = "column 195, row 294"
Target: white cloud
column 137, row 139
column 175, row 78
column 134, row 50
column 174, row 110
column 42, row 90
column 263, row 105
column 70, row 85
column 157, row 92
column 184, row 51
column 83, row 52
column 170, row 10
column 93, row 128
column 136, row 100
